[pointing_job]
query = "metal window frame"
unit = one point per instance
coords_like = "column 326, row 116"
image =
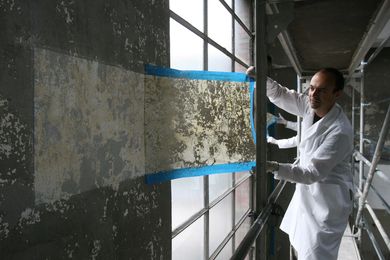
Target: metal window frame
column 207, row 206
column 204, row 35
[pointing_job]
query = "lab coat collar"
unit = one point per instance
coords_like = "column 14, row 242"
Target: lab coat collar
column 321, row 125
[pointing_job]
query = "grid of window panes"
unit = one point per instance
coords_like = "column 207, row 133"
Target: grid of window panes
column 210, row 213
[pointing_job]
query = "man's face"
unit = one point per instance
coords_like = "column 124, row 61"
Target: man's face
column 322, row 94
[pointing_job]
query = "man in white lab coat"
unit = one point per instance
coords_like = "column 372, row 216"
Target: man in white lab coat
column 317, row 215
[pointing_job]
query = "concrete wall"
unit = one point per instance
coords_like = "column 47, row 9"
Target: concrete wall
column 99, row 209
column 377, row 80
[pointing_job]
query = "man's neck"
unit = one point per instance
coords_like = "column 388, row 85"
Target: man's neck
column 321, row 113
column 316, row 118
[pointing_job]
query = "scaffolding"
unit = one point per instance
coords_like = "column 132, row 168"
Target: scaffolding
column 264, row 205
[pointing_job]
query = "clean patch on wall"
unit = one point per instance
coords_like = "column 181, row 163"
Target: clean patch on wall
column 88, row 125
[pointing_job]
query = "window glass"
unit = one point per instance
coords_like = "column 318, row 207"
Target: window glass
column 242, row 43
column 242, row 200
column 186, row 48
column 189, row 10
column 226, row 252
column 187, row 199
column 240, row 175
column 243, row 11
column 239, row 68
column 229, row 3
column 189, row 244
column 218, row 184
column 218, row 61
column 220, row 222
column 241, row 232
column 220, row 24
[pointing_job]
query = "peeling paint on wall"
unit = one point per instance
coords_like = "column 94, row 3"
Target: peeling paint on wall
column 15, row 178
column 192, row 123
column 88, row 125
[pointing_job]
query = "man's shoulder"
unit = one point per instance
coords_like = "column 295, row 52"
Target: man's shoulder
column 342, row 125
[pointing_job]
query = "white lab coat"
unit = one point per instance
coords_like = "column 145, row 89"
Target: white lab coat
column 317, row 215
column 292, row 125
column 284, row 143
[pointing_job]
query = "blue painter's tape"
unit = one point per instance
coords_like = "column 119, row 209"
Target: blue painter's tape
column 198, row 171
column 194, row 74
column 252, row 118
column 210, row 169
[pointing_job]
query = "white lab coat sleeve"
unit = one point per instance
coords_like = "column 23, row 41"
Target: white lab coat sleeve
column 292, row 125
column 287, row 143
column 330, row 153
column 286, row 99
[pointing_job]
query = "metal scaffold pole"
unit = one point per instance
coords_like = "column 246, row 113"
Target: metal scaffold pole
column 374, row 163
column 361, row 143
column 261, row 109
column 299, row 119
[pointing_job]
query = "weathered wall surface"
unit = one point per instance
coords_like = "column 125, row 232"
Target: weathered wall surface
column 377, row 93
column 70, row 213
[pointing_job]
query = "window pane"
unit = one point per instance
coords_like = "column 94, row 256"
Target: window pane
column 220, row 24
column 242, row 231
column 242, row 200
column 226, row 252
column 189, row 244
column 218, row 184
column 239, row 68
column 242, row 43
column 187, row 199
column 189, row 10
column 243, row 11
column 218, row 61
column 220, row 222
column 240, row 175
column 229, row 3
column 186, row 48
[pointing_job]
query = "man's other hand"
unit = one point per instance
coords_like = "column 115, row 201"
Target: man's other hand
column 251, row 72
column 272, row 166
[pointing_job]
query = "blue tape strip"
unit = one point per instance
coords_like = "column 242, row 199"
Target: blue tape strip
column 271, row 123
column 252, row 118
column 199, row 171
column 210, row 169
column 195, row 74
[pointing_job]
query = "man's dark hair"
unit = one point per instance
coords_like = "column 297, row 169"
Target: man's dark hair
column 338, row 77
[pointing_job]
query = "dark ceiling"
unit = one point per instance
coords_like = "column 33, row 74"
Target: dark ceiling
column 326, row 33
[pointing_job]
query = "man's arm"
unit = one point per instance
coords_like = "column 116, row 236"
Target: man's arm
column 330, row 153
column 288, row 124
column 292, row 125
column 288, row 100
column 284, row 143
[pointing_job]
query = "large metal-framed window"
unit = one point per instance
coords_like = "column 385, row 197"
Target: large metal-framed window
column 210, row 213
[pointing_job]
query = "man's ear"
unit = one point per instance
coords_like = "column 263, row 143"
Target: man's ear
column 338, row 93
